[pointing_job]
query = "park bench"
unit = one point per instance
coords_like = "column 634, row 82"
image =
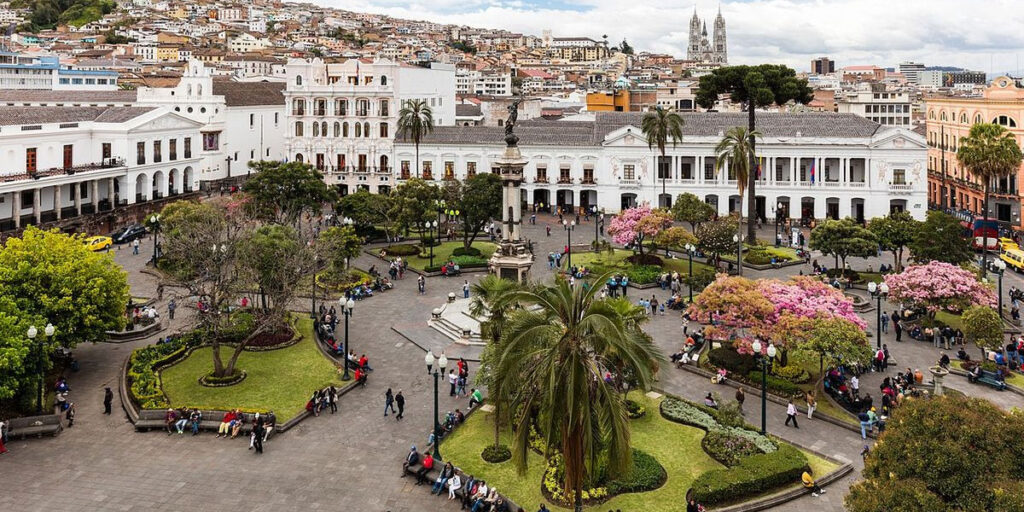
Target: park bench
column 698, row 345
column 431, row 476
column 150, row 419
column 34, row 426
column 987, row 377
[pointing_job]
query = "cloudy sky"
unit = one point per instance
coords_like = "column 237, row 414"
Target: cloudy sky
column 985, row 35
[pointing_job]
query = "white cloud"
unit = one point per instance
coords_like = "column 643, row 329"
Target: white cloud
column 980, row 34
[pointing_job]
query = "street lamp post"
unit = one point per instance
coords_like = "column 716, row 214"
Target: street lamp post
column 1000, row 267
column 154, row 220
column 40, row 368
column 690, row 250
column 568, row 226
column 878, row 291
column 312, row 306
column 765, row 360
column 347, row 308
column 778, row 220
column 430, row 229
column 442, row 363
column 739, row 254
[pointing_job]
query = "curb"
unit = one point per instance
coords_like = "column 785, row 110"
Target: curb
column 410, row 340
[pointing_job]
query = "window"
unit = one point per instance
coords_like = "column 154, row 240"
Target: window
column 106, row 150
column 337, row 129
column 384, row 130
column 427, row 171
column 341, row 162
column 319, row 161
column 275, row 118
column 320, row 107
column 709, row 169
column 211, row 141
column 1005, row 121
column 899, row 177
column 664, row 168
column 344, row 129
column 563, row 175
column 30, row 160
column 628, row 172
column 172, row 149
column 364, row 108
column 298, row 128
column 316, row 129
column 252, row 121
column 188, row 147
column 299, row 107
column 449, row 170
column 687, row 171
column 405, row 169
column 359, row 130
column 157, row 156
column 383, row 80
column 361, row 160
column 298, row 80
column 341, row 107
column 384, row 107
column 542, row 174
column 323, row 128
column 470, row 169
column 140, row 153
column 366, row 130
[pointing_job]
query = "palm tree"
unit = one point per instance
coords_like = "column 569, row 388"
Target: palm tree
column 492, row 298
column 415, row 120
column 736, row 150
column 988, row 152
column 554, row 356
column 661, row 126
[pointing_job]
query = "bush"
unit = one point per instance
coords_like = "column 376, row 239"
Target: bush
column 143, row 377
column 757, row 255
column 647, row 475
column 728, row 358
column 644, row 259
column 402, row 250
column 727, row 447
column 776, row 385
column 495, row 454
column 634, row 409
column 464, row 251
column 752, row 475
column 706, row 418
column 644, row 274
column 852, row 274
column 212, row 380
column 793, row 373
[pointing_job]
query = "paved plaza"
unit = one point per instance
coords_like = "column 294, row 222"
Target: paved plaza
column 350, row 460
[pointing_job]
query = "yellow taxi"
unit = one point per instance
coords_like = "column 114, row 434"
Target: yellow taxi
column 1006, row 244
column 98, row 243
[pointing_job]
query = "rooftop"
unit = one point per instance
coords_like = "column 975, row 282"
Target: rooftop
column 15, row 116
column 66, row 97
column 240, row 94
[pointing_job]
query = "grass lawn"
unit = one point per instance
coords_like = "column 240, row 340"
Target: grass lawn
column 602, row 262
column 949, row 319
column 279, row 380
column 782, row 253
column 871, row 277
column 444, row 251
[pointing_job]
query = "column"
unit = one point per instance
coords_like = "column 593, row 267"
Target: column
column 110, row 193
column 95, row 196
column 57, row 199
column 36, row 210
column 16, row 208
column 76, row 193
column 794, row 177
column 698, row 171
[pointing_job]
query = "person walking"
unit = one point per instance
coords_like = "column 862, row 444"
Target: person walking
column 135, row 246
column 389, row 402
column 108, row 397
column 740, row 397
column 400, row 402
column 791, row 414
column 421, row 283
column 171, row 306
column 885, row 322
column 452, row 381
column 812, row 403
column 332, row 398
column 465, row 289
column 70, row 414
column 160, row 292
column 865, row 424
column 257, row 436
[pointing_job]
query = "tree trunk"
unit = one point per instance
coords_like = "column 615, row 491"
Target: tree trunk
column 218, row 365
column 578, row 499
column 497, row 423
column 984, row 233
column 752, row 176
column 419, row 173
column 230, row 369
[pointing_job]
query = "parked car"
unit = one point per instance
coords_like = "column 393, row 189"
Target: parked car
column 128, row 233
column 98, row 243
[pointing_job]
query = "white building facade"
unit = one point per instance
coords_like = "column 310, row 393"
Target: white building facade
column 815, row 165
column 878, row 104
column 342, row 116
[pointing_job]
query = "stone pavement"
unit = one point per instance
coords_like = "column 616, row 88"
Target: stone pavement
column 340, row 462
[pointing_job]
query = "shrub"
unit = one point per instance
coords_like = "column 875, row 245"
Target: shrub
column 757, row 255
column 212, row 380
column 644, row 259
column 727, row 447
column 706, row 418
column 495, row 454
column 464, row 261
column 402, row 250
column 775, row 384
column 644, row 274
column 464, row 251
column 634, row 409
column 852, row 274
column 793, row 373
column 752, row 475
column 647, row 475
column 728, row 358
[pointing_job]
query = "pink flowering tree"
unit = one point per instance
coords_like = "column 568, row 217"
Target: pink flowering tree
column 938, row 286
column 634, row 225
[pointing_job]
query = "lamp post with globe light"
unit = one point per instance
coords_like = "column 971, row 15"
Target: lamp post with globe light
column 442, row 363
column 32, row 333
column 568, row 225
column 878, row 291
column 154, row 221
column 347, row 308
column 765, row 361
column 739, row 254
column 690, row 249
column 431, row 225
column 1000, row 267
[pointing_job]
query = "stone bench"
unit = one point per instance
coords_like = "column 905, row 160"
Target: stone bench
column 150, row 419
column 34, row 426
column 431, row 477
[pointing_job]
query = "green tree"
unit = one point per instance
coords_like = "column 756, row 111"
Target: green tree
column 281, row 192
column 842, row 239
column 478, row 202
column 982, row 326
column 944, row 454
column 493, row 300
column 554, row 357
column 17, row 352
column 272, row 255
column 940, row 238
column 415, row 121
column 690, row 208
column 715, row 238
column 415, row 202
column 754, row 86
column 989, row 152
column 626, row 48
column 338, row 245
column 895, row 232
column 675, row 237
column 736, row 152
column 661, row 126
column 835, row 341
column 368, row 209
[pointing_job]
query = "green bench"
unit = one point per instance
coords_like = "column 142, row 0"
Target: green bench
column 991, row 378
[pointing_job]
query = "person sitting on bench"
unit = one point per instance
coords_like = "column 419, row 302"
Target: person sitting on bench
column 428, row 464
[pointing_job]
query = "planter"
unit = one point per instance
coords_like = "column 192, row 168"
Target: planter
column 938, row 373
column 213, row 382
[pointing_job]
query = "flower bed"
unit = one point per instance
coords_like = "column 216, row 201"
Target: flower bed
column 647, row 475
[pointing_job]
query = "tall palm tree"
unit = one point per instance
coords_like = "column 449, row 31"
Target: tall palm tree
column 736, row 152
column 554, row 356
column 989, row 152
column 415, row 120
column 661, row 126
column 493, row 299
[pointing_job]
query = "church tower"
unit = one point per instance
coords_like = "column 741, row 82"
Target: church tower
column 721, row 48
column 693, row 47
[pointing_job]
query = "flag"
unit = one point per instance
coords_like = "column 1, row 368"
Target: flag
column 812, row 171
column 757, row 167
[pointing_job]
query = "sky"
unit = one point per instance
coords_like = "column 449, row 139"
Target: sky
column 985, row 35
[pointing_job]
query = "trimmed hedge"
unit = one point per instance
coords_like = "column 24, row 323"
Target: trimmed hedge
column 143, row 369
column 727, row 447
column 752, row 475
column 495, row 454
column 634, row 409
column 645, row 259
column 648, row 474
column 728, row 358
column 779, row 386
column 793, row 373
column 402, row 250
column 463, row 251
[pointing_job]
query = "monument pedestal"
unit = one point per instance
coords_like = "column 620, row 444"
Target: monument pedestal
column 513, row 259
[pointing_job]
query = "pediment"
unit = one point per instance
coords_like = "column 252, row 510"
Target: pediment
column 625, row 136
column 898, row 138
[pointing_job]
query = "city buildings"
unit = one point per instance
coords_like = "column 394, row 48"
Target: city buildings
column 823, row 66
column 949, row 119
column 700, row 48
column 878, row 103
column 18, row 71
column 814, row 165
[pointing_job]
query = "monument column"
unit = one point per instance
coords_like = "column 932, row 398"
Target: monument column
column 513, row 258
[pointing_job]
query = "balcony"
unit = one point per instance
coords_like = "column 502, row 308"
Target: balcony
column 106, row 163
column 541, row 179
column 588, row 182
column 629, row 183
column 832, row 184
column 901, row 188
column 565, row 180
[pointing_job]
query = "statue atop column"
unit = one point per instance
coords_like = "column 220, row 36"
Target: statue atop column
column 513, row 259
column 511, row 139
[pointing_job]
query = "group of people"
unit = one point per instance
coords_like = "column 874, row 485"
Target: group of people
column 66, row 407
column 616, row 283
column 450, row 268
column 474, row 495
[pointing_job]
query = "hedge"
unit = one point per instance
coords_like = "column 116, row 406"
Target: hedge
column 143, row 375
column 647, row 475
column 779, row 386
column 464, row 251
column 727, row 447
column 495, row 454
column 793, row 373
column 402, row 250
column 753, row 475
